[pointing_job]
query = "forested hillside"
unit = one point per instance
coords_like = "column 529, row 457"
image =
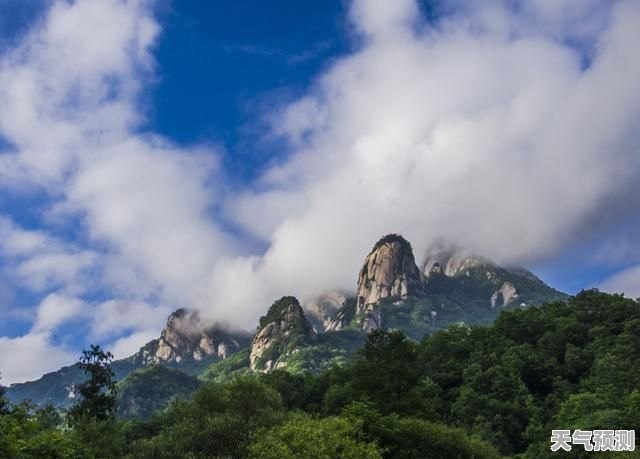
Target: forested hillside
column 467, row 391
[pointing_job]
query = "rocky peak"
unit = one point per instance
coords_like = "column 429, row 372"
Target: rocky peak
column 389, row 271
column 186, row 337
column 449, row 259
column 281, row 332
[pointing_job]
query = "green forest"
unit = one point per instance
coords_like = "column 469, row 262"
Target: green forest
column 485, row 391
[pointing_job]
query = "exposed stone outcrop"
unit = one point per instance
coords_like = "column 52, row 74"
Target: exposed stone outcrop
column 505, row 295
column 281, row 332
column 187, row 338
column 388, row 271
column 449, row 259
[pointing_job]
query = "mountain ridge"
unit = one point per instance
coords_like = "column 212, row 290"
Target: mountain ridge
column 452, row 285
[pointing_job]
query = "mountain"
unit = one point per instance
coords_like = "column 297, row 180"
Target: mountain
column 282, row 331
column 189, row 344
column 452, row 285
column 151, row 388
column 389, row 271
column 185, row 343
column 56, row 388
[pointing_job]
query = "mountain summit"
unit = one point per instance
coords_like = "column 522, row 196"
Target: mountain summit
column 186, row 339
column 449, row 259
column 389, row 270
column 284, row 329
column 453, row 285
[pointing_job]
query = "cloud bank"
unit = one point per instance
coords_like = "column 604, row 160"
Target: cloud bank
column 509, row 128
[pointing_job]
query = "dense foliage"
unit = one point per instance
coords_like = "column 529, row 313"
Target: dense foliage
column 97, row 395
column 150, row 389
column 480, row 391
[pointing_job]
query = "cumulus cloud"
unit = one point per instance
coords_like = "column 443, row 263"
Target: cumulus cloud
column 626, row 281
column 113, row 317
column 508, row 127
column 55, row 310
column 130, row 344
column 70, row 130
column 39, row 261
column 27, row 357
column 489, row 127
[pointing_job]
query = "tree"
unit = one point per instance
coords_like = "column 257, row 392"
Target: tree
column 308, row 437
column 386, row 371
column 98, row 393
column 4, row 403
column 410, row 438
column 218, row 422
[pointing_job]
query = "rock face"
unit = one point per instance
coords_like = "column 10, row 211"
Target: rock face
column 185, row 338
column 389, row 271
column 505, row 295
column 282, row 331
column 449, row 259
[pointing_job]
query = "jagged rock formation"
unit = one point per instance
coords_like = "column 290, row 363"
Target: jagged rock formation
column 453, row 282
column 186, row 337
column 455, row 285
column 452, row 260
column 389, row 270
column 449, row 260
column 282, row 331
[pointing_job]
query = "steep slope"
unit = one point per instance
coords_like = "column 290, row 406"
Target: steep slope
column 189, row 344
column 389, row 271
column 185, row 343
column 55, row 388
column 150, row 389
column 282, row 331
column 454, row 285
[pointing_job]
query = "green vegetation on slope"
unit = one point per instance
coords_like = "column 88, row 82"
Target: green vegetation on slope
column 331, row 349
column 235, row 365
column 464, row 298
column 464, row 392
column 150, row 389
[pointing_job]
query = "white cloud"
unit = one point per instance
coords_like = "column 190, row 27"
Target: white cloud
column 626, row 281
column 28, row 357
column 150, row 202
column 130, row 344
column 114, row 317
column 69, row 112
column 41, row 262
column 68, row 108
column 55, row 310
column 501, row 141
column 509, row 130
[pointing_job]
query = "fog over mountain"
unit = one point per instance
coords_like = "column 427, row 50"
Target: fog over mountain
column 511, row 131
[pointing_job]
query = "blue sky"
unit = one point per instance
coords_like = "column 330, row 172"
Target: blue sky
column 215, row 67
column 217, row 155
